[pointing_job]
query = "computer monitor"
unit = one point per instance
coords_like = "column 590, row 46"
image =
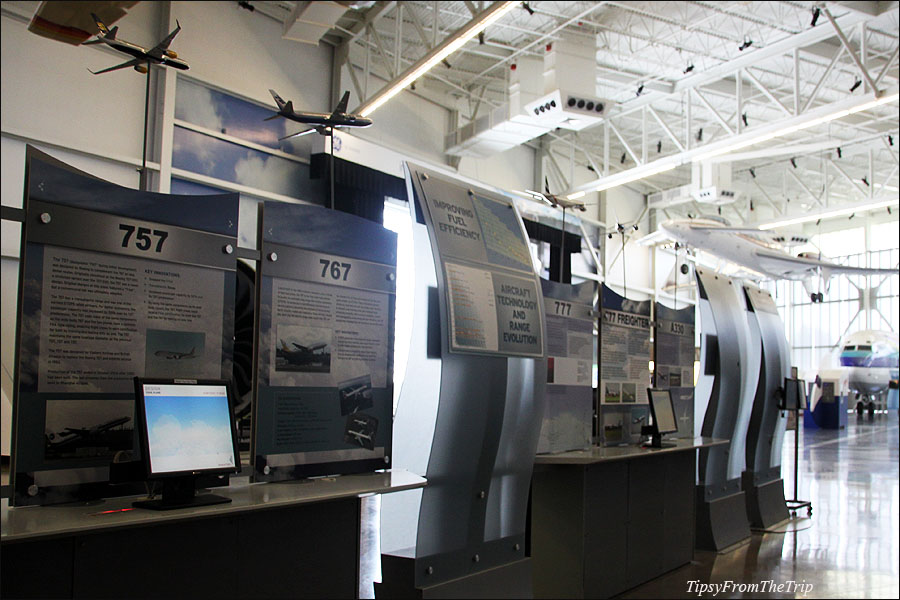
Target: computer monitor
column 794, row 394
column 663, row 412
column 186, row 429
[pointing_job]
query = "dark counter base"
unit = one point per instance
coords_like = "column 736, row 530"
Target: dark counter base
column 721, row 522
column 508, row 581
column 765, row 502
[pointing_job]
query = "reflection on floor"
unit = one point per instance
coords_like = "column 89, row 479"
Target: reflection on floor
column 850, row 548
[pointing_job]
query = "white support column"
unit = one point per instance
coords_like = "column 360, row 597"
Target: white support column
column 398, row 37
column 164, row 134
column 863, row 55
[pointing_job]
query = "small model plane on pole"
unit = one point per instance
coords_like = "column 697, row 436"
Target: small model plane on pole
column 322, row 123
column 159, row 54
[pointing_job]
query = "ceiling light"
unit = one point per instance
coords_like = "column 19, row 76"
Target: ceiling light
column 840, row 152
column 744, row 119
column 640, row 89
column 891, row 140
column 700, row 135
column 436, row 55
column 816, row 11
column 855, row 85
column 745, row 45
column 850, row 218
column 753, row 173
column 688, row 69
column 865, row 180
column 527, row 7
column 659, row 146
column 812, row 122
column 794, row 162
column 839, row 212
column 622, row 160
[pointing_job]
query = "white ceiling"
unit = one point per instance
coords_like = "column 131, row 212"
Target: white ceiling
column 651, row 43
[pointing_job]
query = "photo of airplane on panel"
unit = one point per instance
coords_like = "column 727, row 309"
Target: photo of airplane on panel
column 758, row 251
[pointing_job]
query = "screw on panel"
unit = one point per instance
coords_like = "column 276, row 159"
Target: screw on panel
column 45, row 217
column 273, row 256
column 228, row 249
column 425, row 176
column 516, row 547
column 387, row 459
column 481, row 494
column 391, row 277
column 429, row 570
column 476, row 558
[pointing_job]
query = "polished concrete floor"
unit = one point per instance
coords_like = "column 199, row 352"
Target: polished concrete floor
column 850, row 548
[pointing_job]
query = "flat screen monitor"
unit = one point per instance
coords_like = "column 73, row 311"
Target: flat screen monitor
column 187, row 429
column 794, row 394
column 663, row 412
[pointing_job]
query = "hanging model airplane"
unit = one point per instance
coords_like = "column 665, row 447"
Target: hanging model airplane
column 159, row 54
column 322, row 123
column 552, row 199
column 745, row 247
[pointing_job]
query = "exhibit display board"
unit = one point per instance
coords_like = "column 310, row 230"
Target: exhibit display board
column 326, row 289
column 673, row 361
column 486, row 323
column 114, row 283
column 624, row 367
column 569, row 407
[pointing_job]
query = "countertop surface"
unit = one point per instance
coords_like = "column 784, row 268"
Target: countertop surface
column 597, row 454
column 31, row 522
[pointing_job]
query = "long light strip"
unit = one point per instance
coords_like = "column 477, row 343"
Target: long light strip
column 436, row 55
column 798, row 127
column 831, row 214
column 668, row 163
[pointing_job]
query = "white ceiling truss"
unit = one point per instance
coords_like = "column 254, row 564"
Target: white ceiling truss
column 694, row 75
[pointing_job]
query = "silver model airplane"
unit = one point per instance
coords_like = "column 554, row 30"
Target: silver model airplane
column 552, row 199
column 322, row 123
column 171, row 354
column 745, row 247
column 159, row 54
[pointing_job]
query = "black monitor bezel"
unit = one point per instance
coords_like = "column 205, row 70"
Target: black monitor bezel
column 668, row 392
column 800, row 386
column 141, row 421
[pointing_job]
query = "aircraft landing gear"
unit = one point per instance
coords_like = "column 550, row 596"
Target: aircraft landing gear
column 817, row 297
column 860, row 408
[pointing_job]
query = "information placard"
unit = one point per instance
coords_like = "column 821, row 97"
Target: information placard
column 491, row 289
column 624, row 367
column 116, row 283
column 325, row 344
column 674, row 362
column 568, row 412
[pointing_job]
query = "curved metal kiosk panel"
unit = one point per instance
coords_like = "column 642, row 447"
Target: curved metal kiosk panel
column 721, row 507
column 471, row 530
column 762, row 481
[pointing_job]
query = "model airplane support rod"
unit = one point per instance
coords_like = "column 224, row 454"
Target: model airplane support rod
column 331, row 162
column 144, row 180
column 562, row 250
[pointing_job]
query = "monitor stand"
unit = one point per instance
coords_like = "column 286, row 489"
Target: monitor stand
column 656, row 442
column 180, row 492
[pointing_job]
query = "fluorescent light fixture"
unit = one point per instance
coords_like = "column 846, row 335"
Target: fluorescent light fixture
column 793, row 128
column 436, row 55
column 815, row 117
column 831, row 214
column 576, row 195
